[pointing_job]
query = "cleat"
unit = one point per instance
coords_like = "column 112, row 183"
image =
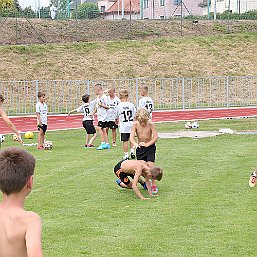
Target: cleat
column 144, row 186
column 132, row 155
column 252, row 180
column 107, row 146
column 101, row 147
column 125, row 158
column 40, row 147
column 154, row 190
column 90, row 146
column 114, row 144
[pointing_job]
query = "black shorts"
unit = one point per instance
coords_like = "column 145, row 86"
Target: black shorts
column 102, row 124
column 146, row 153
column 43, row 127
column 124, row 137
column 89, row 126
column 111, row 125
column 122, row 175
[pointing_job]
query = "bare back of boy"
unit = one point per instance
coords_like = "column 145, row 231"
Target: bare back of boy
column 17, row 232
column 132, row 167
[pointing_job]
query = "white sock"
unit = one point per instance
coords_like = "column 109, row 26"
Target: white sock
column 131, row 150
column 126, row 154
column 102, row 143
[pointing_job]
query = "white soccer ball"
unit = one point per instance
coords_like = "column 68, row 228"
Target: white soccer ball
column 2, row 138
column 48, row 145
column 195, row 125
column 188, row 125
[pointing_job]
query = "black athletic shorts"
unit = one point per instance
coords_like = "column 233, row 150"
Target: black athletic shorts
column 124, row 137
column 111, row 125
column 89, row 126
column 146, row 153
column 102, row 124
column 43, row 127
column 122, row 175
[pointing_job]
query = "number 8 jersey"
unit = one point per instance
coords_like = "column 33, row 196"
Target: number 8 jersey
column 125, row 112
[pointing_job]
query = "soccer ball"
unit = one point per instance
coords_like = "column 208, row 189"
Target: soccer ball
column 2, row 138
column 48, row 145
column 188, row 125
column 15, row 137
column 195, row 125
column 29, row 135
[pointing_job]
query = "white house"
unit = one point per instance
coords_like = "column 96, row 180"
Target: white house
column 236, row 6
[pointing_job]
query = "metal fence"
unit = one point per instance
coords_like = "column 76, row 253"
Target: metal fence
column 167, row 93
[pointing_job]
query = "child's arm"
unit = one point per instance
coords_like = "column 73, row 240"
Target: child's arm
column 8, row 122
column 132, row 135
column 104, row 106
column 72, row 111
column 135, row 182
column 38, row 119
column 33, row 236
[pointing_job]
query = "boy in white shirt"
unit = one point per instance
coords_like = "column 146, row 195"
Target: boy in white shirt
column 113, row 101
column 87, row 108
column 146, row 101
column 41, row 111
column 126, row 113
column 102, row 107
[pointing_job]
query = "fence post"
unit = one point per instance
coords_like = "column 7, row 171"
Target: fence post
column 183, row 93
column 36, row 89
column 137, row 97
column 88, row 86
column 227, row 90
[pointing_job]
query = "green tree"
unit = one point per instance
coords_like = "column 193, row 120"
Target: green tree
column 6, row 4
column 28, row 12
column 88, row 11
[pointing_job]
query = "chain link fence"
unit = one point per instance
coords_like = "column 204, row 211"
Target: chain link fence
column 167, row 93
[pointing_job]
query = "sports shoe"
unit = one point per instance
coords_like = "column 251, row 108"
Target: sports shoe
column 144, row 186
column 90, row 146
column 101, row 147
column 40, row 147
column 252, row 180
column 114, row 144
column 125, row 158
column 154, row 190
column 132, row 155
column 107, row 146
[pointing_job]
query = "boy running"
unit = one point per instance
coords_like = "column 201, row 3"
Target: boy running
column 135, row 169
column 102, row 107
column 126, row 113
column 41, row 111
column 87, row 108
column 113, row 101
column 252, row 180
column 20, row 230
column 7, row 120
column 146, row 101
column 147, row 136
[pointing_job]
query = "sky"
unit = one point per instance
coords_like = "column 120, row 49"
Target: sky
column 35, row 4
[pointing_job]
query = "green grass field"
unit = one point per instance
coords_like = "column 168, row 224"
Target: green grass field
column 205, row 206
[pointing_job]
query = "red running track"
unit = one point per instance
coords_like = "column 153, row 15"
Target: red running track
column 57, row 122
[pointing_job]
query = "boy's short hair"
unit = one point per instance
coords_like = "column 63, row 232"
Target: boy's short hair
column 1, row 98
column 16, row 166
column 40, row 94
column 85, row 98
column 123, row 93
column 145, row 88
column 142, row 115
column 156, row 172
column 98, row 85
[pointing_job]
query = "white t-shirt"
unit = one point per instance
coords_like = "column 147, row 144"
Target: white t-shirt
column 41, row 108
column 147, row 103
column 87, row 108
column 102, row 112
column 126, row 112
column 112, row 111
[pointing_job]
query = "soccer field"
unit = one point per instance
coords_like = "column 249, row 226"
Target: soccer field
column 204, row 208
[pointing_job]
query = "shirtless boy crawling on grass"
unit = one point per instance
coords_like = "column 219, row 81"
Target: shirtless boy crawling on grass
column 135, row 169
